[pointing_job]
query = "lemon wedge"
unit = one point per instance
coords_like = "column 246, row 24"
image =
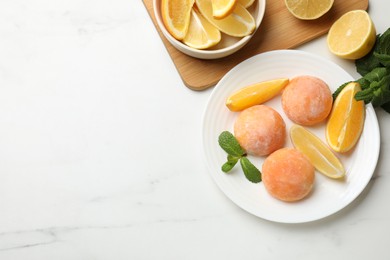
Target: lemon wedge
column 240, row 23
column 201, row 33
column 222, row 8
column 322, row 158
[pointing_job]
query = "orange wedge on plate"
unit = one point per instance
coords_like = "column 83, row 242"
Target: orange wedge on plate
column 255, row 94
column 346, row 120
column 176, row 16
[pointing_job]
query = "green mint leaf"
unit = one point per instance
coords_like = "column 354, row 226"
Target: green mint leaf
column 231, row 162
column 384, row 43
column 376, row 74
column 229, row 144
column 369, row 62
column 384, row 59
column 366, row 95
column 364, row 83
column 233, row 159
column 381, row 92
column 376, row 87
column 375, row 69
column 227, row 167
column 251, row 172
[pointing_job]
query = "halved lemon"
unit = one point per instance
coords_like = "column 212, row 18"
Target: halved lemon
column 255, row 94
column 176, row 16
column 308, row 9
column 240, row 23
column 352, row 36
column 322, row 158
column 201, row 33
column 222, row 8
column 346, row 120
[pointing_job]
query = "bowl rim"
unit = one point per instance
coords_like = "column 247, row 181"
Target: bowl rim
column 157, row 14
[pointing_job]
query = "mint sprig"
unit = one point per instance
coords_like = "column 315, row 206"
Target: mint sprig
column 230, row 145
column 375, row 71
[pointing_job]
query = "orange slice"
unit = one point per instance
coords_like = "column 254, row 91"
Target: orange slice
column 176, row 16
column 222, row 8
column 240, row 23
column 322, row 158
column 201, row 34
column 308, row 9
column 346, row 120
column 255, row 94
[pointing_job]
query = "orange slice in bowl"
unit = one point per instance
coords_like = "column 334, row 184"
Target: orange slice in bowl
column 176, row 16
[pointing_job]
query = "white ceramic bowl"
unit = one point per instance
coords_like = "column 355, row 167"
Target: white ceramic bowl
column 228, row 44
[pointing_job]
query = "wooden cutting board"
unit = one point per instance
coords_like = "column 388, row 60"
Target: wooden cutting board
column 278, row 30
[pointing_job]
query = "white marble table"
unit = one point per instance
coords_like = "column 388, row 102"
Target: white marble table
column 101, row 156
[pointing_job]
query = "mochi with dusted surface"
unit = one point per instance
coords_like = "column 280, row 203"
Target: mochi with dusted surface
column 260, row 130
column 288, row 175
column 307, row 100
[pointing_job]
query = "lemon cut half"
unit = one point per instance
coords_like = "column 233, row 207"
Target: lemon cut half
column 352, row 36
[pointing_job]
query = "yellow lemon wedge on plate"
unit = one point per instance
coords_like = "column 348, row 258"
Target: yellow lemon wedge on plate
column 222, row 8
column 176, row 16
column 239, row 23
column 255, row 94
column 308, row 9
column 319, row 154
column 346, row 120
column 352, row 36
column 201, row 33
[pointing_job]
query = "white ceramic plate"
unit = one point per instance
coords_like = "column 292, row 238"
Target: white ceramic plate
column 328, row 195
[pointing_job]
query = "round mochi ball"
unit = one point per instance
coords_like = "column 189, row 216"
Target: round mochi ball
column 288, row 175
column 260, row 130
column 307, row 100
